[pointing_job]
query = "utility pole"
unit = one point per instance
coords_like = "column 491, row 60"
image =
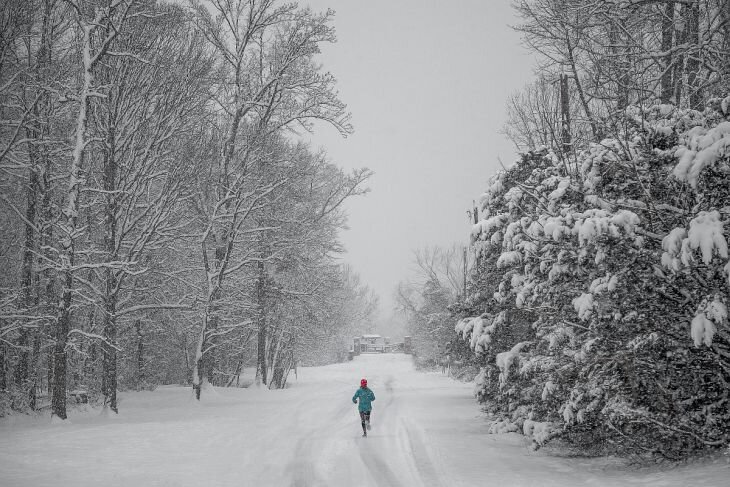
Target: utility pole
column 464, row 259
column 475, row 215
column 565, row 115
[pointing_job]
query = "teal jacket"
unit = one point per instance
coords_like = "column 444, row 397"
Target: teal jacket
column 366, row 396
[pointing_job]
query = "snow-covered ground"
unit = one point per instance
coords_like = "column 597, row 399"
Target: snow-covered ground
column 427, row 430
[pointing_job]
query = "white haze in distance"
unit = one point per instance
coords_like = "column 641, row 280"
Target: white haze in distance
column 426, row 82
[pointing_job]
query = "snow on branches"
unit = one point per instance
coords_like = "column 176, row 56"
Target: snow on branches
column 583, row 305
column 711, row 314
column 702, row 147
column 505, row 360
column 706, row 233
column 601, row 266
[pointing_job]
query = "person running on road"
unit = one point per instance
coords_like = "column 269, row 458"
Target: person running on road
column 366, row 397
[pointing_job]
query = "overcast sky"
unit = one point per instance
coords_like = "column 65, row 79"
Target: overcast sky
column 426, row 82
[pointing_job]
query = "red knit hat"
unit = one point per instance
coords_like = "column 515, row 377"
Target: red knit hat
column 364, row 383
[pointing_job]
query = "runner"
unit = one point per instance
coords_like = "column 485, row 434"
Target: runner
column 366, row 397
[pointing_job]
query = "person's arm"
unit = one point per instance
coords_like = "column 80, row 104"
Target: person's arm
column 372, row 395
column 354, row 398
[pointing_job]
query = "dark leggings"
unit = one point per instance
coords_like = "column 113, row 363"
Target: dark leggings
column 364, row 416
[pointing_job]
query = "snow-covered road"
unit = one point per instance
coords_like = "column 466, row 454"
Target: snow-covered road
column 427, row 430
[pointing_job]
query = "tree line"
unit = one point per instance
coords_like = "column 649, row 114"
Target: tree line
column 162, row 221
column 595, row 312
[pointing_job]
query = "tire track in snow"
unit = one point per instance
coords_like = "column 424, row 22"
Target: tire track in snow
column 419, row 455
column 302, row 468
column 410, row 440
column 377, row 468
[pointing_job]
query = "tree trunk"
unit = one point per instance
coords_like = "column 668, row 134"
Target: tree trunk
column 200, row 373
column 111, row 278
column 204, row 356
column 566, row 140
column 198, row 365
column 49, row 370
column 236, row 374
column 69, row 229
column 186, row 353
column 581, row 94
column 203, row 368
column 678, row 71
column 239, row 360
column 694, row 80
column 109, row 351
column 47, row 285
column 58, row 400
column 209, row 359
column 49, row 290
column 33, row 373
column 140, row 354
column 725, row 14
column 36, row 133
column 275, row 369
column 667, row 39
column 261, row 344
column 206, row 360
column 26, row 275
column 3, row 374
column 619, row 65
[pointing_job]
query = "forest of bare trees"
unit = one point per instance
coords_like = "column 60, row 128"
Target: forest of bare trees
column 595, row 58
column 161, row 220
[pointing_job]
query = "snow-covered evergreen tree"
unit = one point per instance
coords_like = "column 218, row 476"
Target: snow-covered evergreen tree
column 607, row 321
